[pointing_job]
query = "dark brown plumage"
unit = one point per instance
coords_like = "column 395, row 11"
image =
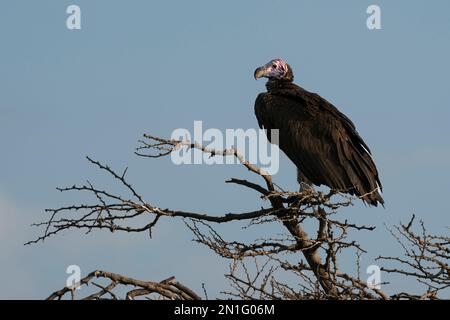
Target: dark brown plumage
column 320, row 140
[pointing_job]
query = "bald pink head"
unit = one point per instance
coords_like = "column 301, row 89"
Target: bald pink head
column 275, row 69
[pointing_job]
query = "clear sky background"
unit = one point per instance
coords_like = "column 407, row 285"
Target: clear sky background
column 154, row 66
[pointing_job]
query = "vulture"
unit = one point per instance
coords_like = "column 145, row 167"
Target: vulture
column 319, row 139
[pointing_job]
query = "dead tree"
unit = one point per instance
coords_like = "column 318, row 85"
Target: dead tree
column 318, row 276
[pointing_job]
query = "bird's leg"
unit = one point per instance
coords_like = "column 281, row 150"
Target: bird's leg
column 294, row 200
column 306, row 187
column 305, row 184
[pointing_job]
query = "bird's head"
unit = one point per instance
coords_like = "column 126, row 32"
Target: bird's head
column 276, row 69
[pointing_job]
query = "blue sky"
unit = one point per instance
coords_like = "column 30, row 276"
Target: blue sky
column 154, row 66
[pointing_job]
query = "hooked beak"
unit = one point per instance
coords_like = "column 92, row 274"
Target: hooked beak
column 260, row 72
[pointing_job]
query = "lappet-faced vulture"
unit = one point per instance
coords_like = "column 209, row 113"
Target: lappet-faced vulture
column 319, row 139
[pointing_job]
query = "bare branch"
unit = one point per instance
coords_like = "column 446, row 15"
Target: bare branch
column 166, row 289
column 426, row 259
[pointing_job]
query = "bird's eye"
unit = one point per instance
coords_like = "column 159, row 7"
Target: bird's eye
column 274, row 66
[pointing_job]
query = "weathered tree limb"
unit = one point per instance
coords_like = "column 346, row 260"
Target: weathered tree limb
column 166, row 289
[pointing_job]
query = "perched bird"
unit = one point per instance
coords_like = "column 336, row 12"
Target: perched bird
column 319, row 139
